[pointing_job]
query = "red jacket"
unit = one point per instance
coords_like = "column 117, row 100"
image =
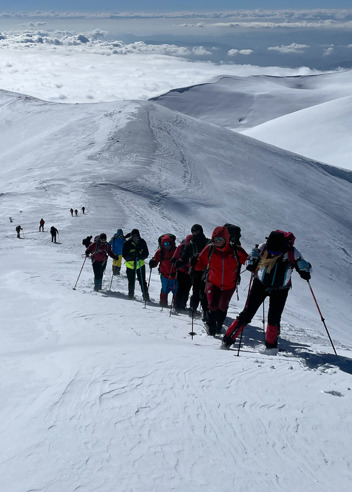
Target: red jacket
column 100, row 251
column 178, row 253
column 223, row 264
column 163, row 256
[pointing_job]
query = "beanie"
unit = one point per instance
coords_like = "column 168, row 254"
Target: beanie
column 135, row 232
column 275, row 243
column 196, row 228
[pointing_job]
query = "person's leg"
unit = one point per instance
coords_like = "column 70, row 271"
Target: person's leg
column 256, row 297
column 276, row 306
column 131, row 274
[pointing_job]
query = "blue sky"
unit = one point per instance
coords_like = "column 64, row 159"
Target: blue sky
column 163, row 5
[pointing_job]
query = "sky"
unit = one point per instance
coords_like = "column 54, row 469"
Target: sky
column 100, row 393
column 174, row 5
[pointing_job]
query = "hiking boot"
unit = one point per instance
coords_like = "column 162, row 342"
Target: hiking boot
column 226, row 343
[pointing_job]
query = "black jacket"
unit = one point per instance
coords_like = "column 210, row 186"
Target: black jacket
column 131, row 250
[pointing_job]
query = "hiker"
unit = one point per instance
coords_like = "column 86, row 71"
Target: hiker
column 53, row 232
column 167, row 270
column 271, row 264
column 190, row 255
column 183, row 277
column 76, row 212
column 83, row 210
column 117, row 241
column 99, row 251
column 87, row 241
column 134, row 252
column 71, row 211
column 219, row 263
column 41, row 225
column 18, row 230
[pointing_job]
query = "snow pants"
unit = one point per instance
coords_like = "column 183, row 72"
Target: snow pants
column 257, row 295
column 131, row 276
column 98, row 269
column 184, row 286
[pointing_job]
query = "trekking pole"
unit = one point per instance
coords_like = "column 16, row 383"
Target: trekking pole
column 173, row 290
column 321, row 317
column 192, row 333
column 74, row 288
column 150, row 274
column 263, row 319
column 143, row 288
column 112, row 276
column 249, row 290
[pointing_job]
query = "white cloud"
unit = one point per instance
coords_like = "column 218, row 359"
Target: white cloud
column 329, row 51
column 291, row 48
column 235, row 52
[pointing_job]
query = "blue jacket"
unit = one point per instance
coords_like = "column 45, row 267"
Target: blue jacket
column 117, row 242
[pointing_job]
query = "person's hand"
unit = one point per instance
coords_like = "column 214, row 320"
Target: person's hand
column 179, row 264
column 305, row 275
column 152, row 263
column 255, row 253
column 173, row 260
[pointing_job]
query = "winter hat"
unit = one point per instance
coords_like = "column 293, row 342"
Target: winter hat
column 102, row 236
column 119, row 232
column 135, row 232
column 275, row 243
column 196, row 228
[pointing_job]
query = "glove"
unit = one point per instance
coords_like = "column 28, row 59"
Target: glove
column 254, row 254
column 303, row 274
column 179, row 264
column 152, row 263
column 173, row 260
column 251, row 267
column 303, row 265
column 116, row 257
column 193, row 261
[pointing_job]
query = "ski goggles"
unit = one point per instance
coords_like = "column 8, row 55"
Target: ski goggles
column 218, row 240
column 167, row 244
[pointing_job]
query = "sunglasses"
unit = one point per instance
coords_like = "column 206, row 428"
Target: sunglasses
column 167, row 244
column 218, row 239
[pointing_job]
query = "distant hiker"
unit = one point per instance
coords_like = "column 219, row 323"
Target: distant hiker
column 167, row 270
column 71, row 211
column 83, row 210
column 99, row 251
column 11, row 219
column 190, row 255
column 53, row 232
column 41, row 225
column 76, row 212
column 183, row 277
column 134, row 252
column 117, row 241
column 219, row 263
column 87, row 241
column 18, row 230
column 272, row 264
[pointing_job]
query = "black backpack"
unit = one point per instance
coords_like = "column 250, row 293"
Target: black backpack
column 234, row 233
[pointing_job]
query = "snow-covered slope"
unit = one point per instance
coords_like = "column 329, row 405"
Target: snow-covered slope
column 272, row 109
column 101, row 394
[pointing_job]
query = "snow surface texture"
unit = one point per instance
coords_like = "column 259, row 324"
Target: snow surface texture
column 305, row 114
column 102, row 394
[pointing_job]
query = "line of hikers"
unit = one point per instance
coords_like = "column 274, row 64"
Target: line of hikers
column 75, row 211
column 53, row 231
column 211, row 267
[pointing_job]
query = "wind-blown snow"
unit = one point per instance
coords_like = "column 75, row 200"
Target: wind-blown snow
column 100, row 394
